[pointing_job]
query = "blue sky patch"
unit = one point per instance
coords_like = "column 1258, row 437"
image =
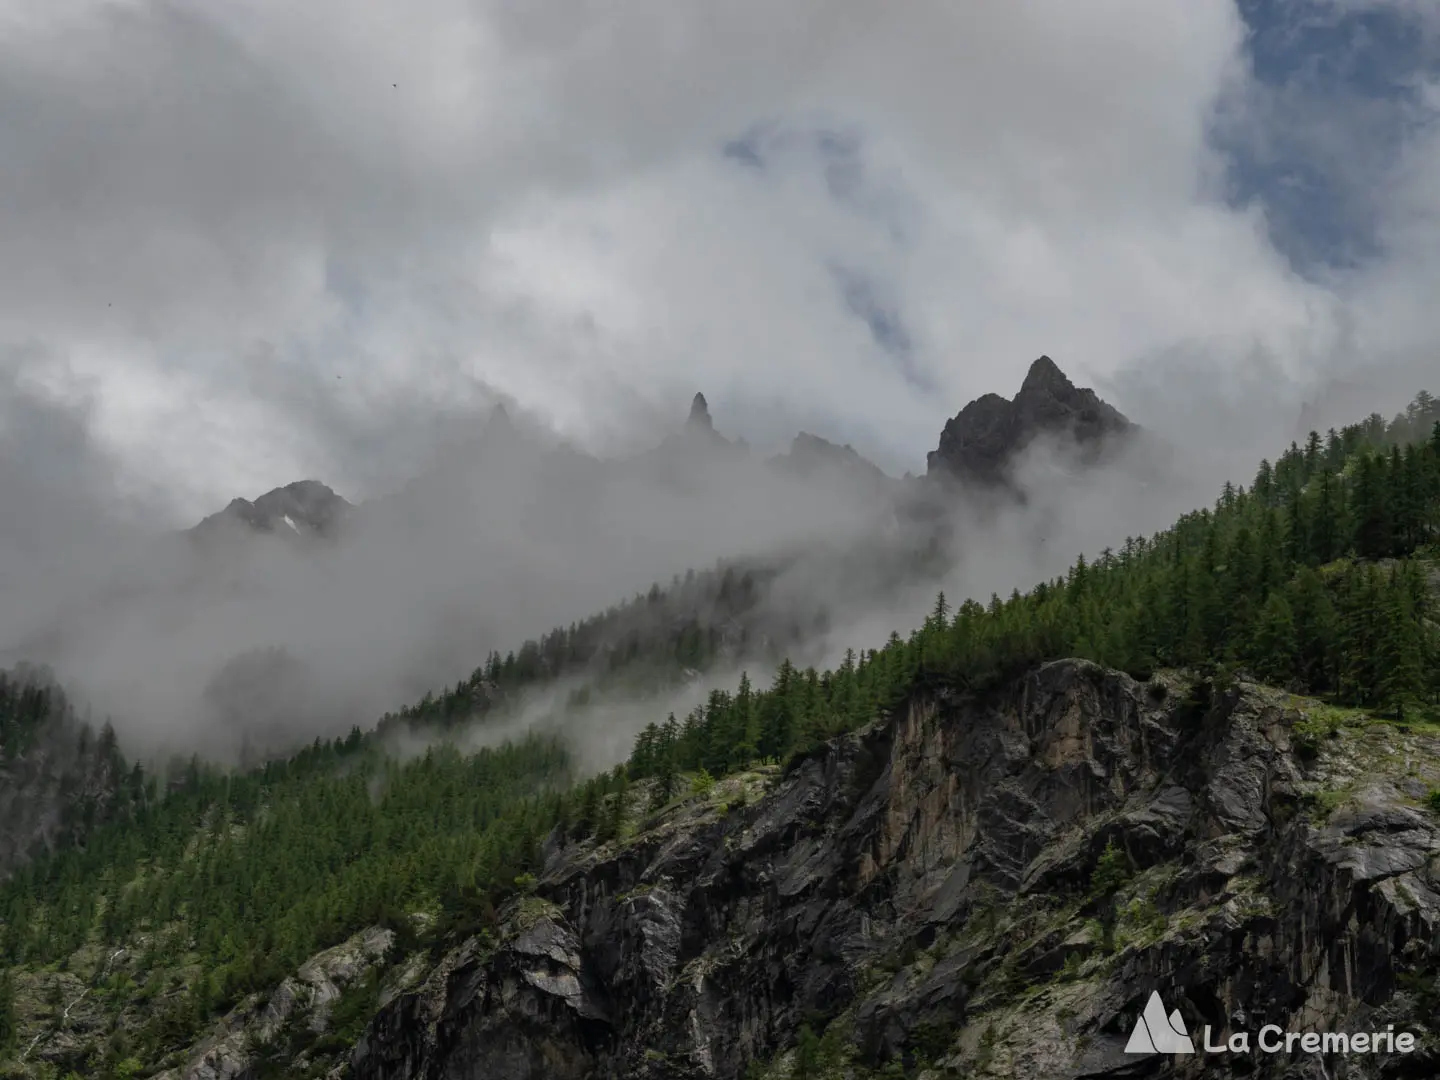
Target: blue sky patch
column 1335, row 94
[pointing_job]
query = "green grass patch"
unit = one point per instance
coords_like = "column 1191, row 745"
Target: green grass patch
column 1320, row 722
column 1321, row 804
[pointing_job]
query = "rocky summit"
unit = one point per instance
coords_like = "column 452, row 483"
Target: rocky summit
column 305, row 508
column 699, row 414
column 982, row 443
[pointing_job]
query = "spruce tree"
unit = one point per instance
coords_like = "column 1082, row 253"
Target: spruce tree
column 746, row 724
column 1372, row 510
column 1325, row 526
column 1399, row 661
column 1274, row 648
column 778, row 728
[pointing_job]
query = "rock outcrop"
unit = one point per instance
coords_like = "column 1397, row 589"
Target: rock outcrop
column 982, row 443
column 699, row 433
column 249, row 1038
column 306, row 508
column 700, row 414
column 990, row 886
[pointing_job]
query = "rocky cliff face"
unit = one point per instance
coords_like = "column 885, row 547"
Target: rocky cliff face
column 990, row 887
column 973, row 887
column 981, row 444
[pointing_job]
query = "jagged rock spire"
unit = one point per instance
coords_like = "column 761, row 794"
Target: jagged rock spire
column 700, row 413
column 1045, row 374
column 983, row 440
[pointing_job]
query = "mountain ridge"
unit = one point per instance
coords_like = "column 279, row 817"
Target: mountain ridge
column 978, row 445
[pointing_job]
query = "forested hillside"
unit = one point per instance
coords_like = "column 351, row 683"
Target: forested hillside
column 59, row 778
column 171, row 906
column 1323, row 576
column 649, row 642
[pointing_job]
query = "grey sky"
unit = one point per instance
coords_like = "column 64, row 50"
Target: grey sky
column 440, row 198
column 250, row 242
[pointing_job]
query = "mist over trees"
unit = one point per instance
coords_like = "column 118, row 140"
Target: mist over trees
column 1319, row 576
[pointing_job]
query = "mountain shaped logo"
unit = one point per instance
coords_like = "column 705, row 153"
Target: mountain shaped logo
column 1155, row 1033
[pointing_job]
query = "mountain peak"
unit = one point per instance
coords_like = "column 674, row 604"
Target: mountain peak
column 302, row 508
column 982, row 442
column 699, row 413
column 1045, row 375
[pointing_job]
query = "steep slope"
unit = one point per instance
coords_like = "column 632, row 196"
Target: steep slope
column 991, row 885
column 58, row 777
column 988, row 885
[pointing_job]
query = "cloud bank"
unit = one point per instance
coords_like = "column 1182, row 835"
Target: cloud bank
column 257, row 242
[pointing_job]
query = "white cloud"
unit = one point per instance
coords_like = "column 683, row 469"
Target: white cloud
column 255, row 241
column 533, row 196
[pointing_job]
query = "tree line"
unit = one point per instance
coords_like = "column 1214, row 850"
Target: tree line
column 1308, row 579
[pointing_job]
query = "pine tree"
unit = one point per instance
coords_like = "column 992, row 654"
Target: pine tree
column 613, row 826
column 1362, row 622
column 666, row 783
column 1312, row 455
column 778, row 728
column 1297, row 533
column 589, row 811
column 1275, row 647
column 746, row 723
column 1400, row 650
column 1325, row 526
column 1372, row 511
column 1317, row 630
column 940, row 613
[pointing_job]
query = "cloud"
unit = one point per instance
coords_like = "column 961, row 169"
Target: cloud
column 537, row 200
column 256, row 241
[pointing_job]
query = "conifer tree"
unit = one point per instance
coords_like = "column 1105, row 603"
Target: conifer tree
column 1399, row 662
column 1275, row 648
column 777, row 720
column 1316, row 631
column 746, row 724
